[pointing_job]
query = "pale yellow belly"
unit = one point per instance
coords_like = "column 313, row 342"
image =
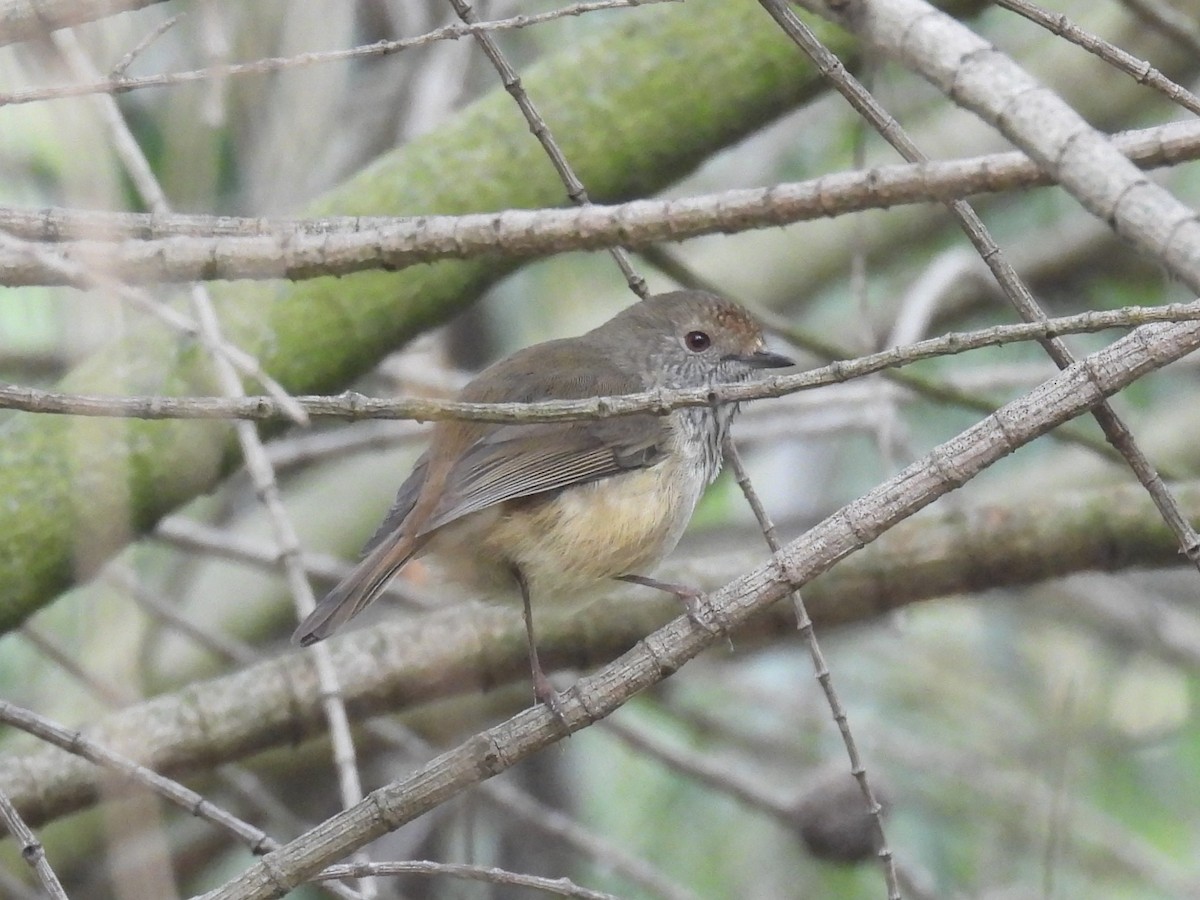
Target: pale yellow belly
column 572, row 543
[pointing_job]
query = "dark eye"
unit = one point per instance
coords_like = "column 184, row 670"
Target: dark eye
column 696, row 341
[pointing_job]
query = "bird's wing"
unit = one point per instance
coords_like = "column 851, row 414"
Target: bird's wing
column 499, row 462
column 523, row 460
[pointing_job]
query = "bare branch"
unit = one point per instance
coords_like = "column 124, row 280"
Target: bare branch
column 253, row 248
column 117, row 84
column 561, row 887
column 75, row 743
column 357, row 406
column 827, row 196
column 1123, row 61
column 144, row 44
column 32, row 850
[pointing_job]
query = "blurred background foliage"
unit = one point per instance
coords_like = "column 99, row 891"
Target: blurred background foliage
column 1032, row 742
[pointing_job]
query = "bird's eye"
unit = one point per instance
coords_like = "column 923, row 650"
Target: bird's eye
column 697, row 341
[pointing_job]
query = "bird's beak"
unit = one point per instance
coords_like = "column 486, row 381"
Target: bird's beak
column 762, row 359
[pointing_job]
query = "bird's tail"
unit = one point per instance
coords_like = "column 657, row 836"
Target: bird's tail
column 356, row 591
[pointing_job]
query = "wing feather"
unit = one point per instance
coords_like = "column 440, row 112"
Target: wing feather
column 500, row 462
column 547, row 458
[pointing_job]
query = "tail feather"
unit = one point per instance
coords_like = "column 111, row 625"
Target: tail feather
column 355, row 592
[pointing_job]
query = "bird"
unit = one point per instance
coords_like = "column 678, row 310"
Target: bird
column 556, row 510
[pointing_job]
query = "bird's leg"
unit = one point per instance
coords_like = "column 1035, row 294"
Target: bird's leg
column 688, row 596
column 543, row 690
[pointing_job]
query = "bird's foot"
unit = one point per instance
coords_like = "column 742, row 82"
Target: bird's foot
column 544, row 692
column 698, row 612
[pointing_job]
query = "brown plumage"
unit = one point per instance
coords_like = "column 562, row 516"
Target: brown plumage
column 557, row 508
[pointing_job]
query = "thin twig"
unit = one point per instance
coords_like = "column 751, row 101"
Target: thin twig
column 262, row 474
column 85, row 277
column 1122, row 60
column 290, row 551
column 351, row 405
column 561, row 887
column 299, row 249
column 31, row 848
column 784, row 203
column 1174, row 23
column 824, row 677
column 118, row 85
column 118, row 71
column 74, row 742
column 880, row 187
column 575, row 189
